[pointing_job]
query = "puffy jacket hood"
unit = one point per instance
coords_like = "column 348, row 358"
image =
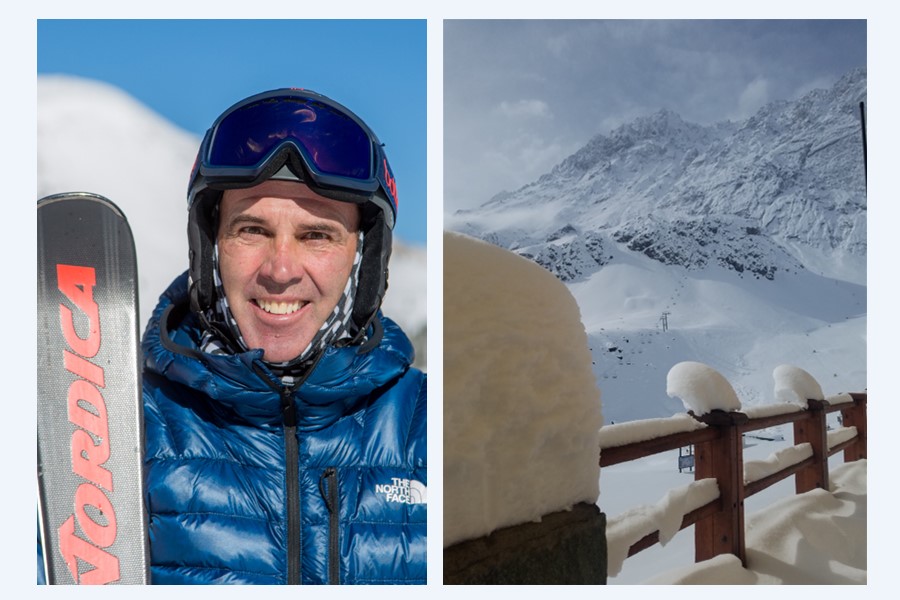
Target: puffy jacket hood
column 242, row 383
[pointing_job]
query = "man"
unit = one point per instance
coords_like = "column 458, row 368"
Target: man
column 285, row 428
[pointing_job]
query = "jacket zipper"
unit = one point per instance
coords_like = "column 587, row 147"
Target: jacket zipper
column 292, row 475
column 292, row 468
column 328, row 487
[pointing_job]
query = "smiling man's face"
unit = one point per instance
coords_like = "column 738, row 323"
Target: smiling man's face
column 285, row 254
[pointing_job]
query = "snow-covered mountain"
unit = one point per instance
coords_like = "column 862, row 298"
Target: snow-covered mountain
column 740, row 245
column 94, row 137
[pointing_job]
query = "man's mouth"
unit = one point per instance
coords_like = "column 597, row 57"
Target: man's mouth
column 279, row 308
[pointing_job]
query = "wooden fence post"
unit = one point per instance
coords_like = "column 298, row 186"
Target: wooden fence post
column 855, row 416
column 722, row 459
column 812, row 430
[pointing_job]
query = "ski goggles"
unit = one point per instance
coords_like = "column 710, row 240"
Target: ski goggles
column 257, row 135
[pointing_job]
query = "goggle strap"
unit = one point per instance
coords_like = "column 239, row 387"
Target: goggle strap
column 203, row 224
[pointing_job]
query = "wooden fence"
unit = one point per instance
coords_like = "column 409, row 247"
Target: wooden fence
column 718, row 454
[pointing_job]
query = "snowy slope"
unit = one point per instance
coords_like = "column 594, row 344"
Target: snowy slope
column 94, row 137
column 742, row 327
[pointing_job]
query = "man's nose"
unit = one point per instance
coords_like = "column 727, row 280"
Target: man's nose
column 284, row 262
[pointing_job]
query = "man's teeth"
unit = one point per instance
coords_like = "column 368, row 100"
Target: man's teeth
column 279, row 308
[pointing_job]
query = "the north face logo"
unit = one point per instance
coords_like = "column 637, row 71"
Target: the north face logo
column 403, row 491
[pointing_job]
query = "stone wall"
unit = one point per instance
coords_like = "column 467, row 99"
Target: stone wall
column 567, row 547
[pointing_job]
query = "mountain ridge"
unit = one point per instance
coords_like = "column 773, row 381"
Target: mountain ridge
column 792, row 173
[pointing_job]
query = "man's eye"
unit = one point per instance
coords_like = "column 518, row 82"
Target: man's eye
column 252, row 230
column 316, row 235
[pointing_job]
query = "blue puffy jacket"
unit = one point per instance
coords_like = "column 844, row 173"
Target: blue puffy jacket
column 251, row 482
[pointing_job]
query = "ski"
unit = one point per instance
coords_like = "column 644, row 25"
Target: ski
column 92, row 512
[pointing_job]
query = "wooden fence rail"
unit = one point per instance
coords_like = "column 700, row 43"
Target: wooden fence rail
column 718, row 454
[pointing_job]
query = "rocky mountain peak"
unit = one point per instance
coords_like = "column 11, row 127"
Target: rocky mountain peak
column 781, row 191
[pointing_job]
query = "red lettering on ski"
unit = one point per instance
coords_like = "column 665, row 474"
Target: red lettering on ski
column 94, row 512
column 77, row 283
column 73, row 548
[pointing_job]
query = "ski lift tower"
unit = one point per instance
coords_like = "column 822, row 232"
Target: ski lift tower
column 664, row 320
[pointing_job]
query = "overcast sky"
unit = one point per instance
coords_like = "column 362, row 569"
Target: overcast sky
column 521, row 95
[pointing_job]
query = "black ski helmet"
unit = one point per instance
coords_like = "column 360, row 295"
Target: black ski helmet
column 300, row 135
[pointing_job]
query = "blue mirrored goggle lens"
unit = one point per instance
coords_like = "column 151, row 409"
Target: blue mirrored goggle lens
column 332, row 142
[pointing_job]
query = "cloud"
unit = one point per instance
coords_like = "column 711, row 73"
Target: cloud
column 754, row 97
column 504, row 166
column 524, row 108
